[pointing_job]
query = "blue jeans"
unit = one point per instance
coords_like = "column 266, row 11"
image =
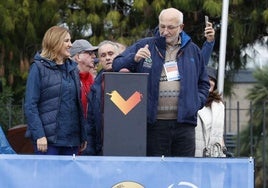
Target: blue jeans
column 57, row 150
column 171, row 139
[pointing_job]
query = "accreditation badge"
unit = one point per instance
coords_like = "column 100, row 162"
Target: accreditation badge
column 172, row 72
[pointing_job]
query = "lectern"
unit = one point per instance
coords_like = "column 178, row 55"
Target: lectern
column 125, row 101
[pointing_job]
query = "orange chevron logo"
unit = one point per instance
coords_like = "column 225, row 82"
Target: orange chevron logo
column 125, row 105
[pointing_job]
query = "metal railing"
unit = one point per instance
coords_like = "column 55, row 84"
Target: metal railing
column 233, row 130
column 11, row 115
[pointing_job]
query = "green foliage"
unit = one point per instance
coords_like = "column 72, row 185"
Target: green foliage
column 213, row 7
column 259, row 92
column 24, row 22
column 91, row 5
column 187, row 5
column 10, row 115
column 258, row 95
column 94, row 18
column 115, row 17
column 265, row 16
column 236, row 2
column 158, row 5
column 140, row 5
column 237, row 33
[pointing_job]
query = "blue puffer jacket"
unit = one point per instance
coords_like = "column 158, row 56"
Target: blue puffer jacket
column 194, row 84
column 42, row 102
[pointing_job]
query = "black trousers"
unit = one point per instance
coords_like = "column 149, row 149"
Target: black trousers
column 171, row 139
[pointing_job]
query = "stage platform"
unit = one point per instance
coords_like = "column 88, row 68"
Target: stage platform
column 24, row 171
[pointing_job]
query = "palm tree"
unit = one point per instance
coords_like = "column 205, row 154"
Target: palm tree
column 253, row 138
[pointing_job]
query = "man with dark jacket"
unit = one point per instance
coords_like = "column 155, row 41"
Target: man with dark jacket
column 83, row 53
column 177, row 83
column 107, row 51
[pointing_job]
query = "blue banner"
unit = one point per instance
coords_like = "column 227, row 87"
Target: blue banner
column 26, row 171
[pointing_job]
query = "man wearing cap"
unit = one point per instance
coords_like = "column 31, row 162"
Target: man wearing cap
column 107, row 51
column 83, row 53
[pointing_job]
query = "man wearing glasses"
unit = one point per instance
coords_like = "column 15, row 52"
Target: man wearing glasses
column 177, row 84
column 84, row 54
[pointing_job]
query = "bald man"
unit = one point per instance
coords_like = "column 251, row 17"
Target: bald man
column 177, row 84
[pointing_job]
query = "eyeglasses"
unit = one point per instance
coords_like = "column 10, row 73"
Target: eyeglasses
column 88, row 52
column 169, row 27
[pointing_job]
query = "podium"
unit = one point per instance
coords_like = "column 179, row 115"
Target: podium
column 125, row 105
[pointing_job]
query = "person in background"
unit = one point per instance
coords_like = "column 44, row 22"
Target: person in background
column 177, row 83
column 121, row 47
column 209, row 134
column 107, row 51
column 53, row 106
column 210, row 119
column 94, row 71
column 83, row 53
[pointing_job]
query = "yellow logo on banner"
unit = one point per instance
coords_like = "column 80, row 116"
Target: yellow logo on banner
column 128, row 184
column 125, row 105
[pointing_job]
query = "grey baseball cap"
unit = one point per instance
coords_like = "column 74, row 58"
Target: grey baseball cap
column 81, row 45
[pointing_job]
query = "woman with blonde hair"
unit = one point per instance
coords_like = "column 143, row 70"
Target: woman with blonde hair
column 53, row 105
